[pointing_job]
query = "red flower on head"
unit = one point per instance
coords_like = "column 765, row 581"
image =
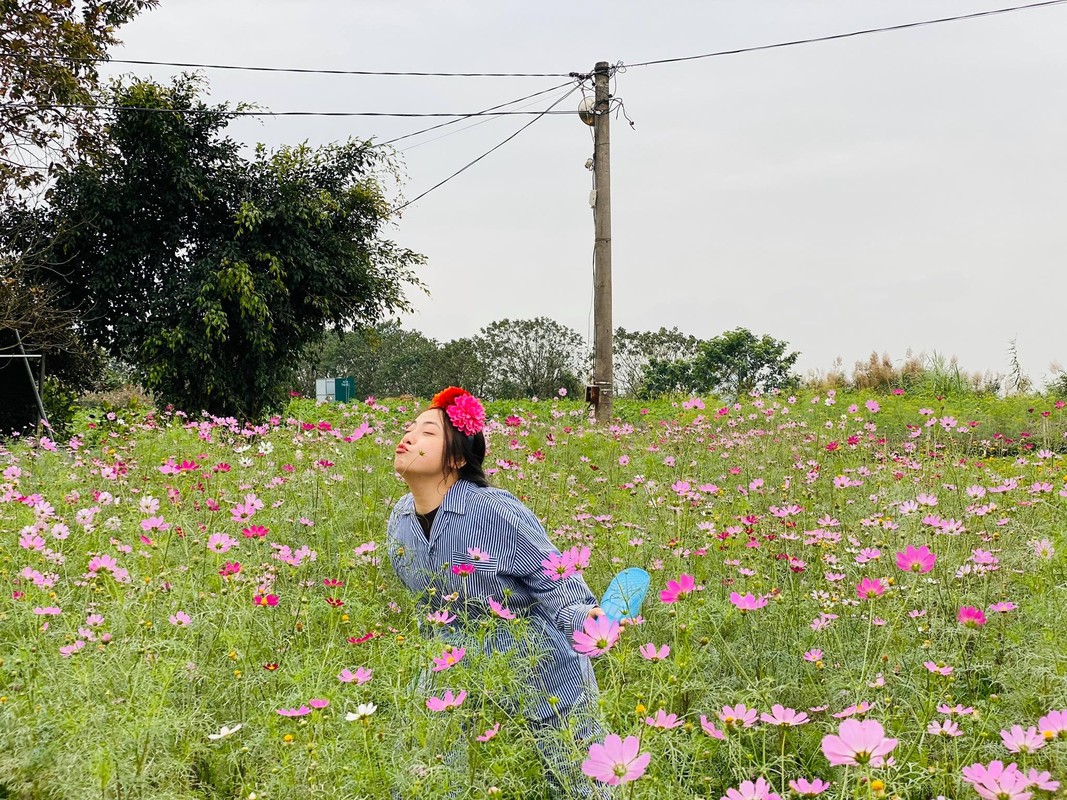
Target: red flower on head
column 446, row 397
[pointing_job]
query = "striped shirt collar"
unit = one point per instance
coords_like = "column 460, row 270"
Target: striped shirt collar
column 454, row 501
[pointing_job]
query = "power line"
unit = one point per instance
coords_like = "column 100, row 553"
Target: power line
column 460, row 115
column 470, row 164
column 848, row 35
column 299, row 70
column 483, row 111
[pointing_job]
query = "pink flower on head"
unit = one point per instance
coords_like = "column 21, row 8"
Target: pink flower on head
column 616, row 761
column 806, row 788
column 858, row 744
column 916, row 559
column 467, row 414
column 597, row 636
column 971, row 617
column 446, row 702
column 676, row 590
column 870, row 588
column 749, row 790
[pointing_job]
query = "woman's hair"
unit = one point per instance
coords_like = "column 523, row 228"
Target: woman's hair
column 466, row 450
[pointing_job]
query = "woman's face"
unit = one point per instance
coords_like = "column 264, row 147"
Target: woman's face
column 421, row 452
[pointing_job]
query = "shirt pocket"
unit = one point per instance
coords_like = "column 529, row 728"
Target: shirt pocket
column 484, row 564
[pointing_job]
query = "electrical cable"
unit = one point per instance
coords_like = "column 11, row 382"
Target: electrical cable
column 470, row 164
column 833, row 37
column 461, row 115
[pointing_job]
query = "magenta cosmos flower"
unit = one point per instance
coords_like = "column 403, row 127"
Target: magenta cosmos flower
column 360, row 676
column 858, row 743
column 676, row 590
column 869, row 588
column 597, row 636
column 747, row 602
column 616, row 761
column 916, row 559
column 448, row 659
column 806, row 788
column 971, row 617
column 749, row 790
column 447, row 702
column 780, row 715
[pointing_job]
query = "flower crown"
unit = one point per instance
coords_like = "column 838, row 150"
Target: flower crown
column 464, row 410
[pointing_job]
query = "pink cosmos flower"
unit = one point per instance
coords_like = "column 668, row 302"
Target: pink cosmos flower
column 748, row 790
column 946, row 727
column 1018, row 740
column 747, row 602
column 806, row 788
column 857, row 709
column 220, row 543
column 1042, row 781
column 1054, row 724
column 558, row 566
column 997, row 782
column 254, row 532
column 489, row 734
column 858, row 744
column 664, row 721
column 316, row 702
column 496, row 609
column 971, row 617
column 294, row 712
column 466, row 414
column 963, row 711
column 676, row 590
column 597, row 636
column 813, row 655
column 650, row 653
column 710, row 729
column 180, row 619
column 265, row 600
column 360, row 676
column 463, row 569
column 616, row 761
column 448, row 659
column 447, row 702
column 938, row 669
column 1002, row 607
column 869, row 588
column 916, row 559
column 780, row 715
column 739, row 715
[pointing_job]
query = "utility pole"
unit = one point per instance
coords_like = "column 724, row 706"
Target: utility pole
column 603, row 380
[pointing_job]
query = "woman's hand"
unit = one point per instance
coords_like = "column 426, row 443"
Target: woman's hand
column 597, row 612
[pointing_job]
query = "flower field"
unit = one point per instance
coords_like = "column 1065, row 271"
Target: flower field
column 852, row 596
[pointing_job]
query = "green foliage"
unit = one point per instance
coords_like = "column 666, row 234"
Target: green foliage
column 47, row 49
column 211, row 272
column 634, row 351
column 531, row 358
column 731, row 364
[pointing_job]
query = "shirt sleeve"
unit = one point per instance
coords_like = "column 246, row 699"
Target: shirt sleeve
column 566, row 602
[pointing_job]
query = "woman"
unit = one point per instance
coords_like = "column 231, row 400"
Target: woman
column 470, row 550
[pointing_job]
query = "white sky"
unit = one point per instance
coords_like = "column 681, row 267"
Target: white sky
column 892, row 191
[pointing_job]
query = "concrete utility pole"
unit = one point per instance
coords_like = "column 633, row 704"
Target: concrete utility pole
column 603, row 380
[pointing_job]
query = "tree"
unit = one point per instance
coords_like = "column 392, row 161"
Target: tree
column 530, row 357
column 635, row 350
column 736, row 362
column 48, row 52
column 731, row 364
column 210, row 272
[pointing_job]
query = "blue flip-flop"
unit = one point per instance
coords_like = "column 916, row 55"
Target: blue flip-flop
column 625, row 594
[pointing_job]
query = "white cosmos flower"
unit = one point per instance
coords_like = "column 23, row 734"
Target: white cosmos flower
column 363, row 710
column 224, row 732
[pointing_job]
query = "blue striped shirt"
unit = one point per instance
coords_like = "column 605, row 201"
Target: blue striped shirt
column 512, row 545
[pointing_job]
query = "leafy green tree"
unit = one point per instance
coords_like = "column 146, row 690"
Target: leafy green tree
column 531, row 357
column 731, row 364
column 634, row 351
column 211, row 272
column 737, row 362
column 48, row 50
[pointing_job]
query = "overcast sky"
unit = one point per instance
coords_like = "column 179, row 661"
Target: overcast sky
column 885, row 192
